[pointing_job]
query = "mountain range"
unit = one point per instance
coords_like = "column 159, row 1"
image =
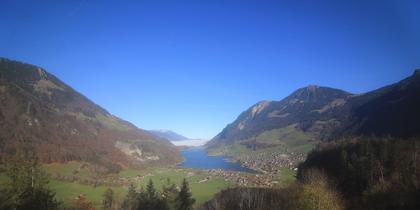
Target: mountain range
column 168, row 134
column 314, row 113
column 40, row 113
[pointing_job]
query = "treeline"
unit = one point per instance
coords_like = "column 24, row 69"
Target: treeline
column 371, row 172
column 26, row 189
column 149, row 199
column 314, row 192
column 355, row 173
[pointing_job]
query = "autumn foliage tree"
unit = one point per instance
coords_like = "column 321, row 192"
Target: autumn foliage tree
column 82, row 203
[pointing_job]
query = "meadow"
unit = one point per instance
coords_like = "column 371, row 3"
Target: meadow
column 67, row 191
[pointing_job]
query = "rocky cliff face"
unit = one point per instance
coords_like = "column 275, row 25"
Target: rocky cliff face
column 38, row 112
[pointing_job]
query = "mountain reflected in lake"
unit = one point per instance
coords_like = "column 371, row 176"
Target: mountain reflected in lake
column 197, row 158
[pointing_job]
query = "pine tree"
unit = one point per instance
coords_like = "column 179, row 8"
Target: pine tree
column 150, row 190
column 169, row 193
column 27, row 189
column 108, row 202
column 184, row 200
column 150, row 199
column 131, row 199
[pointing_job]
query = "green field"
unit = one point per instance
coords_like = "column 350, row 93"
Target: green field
column 286, row 177
column 282, row 140
column 201, row 191
column 67, row 191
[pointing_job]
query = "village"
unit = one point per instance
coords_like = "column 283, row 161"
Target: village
column 267, row 168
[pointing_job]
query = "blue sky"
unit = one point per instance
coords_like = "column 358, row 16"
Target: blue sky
column 194, row 66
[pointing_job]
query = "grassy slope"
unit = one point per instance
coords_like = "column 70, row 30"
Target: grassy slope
column 284, row 140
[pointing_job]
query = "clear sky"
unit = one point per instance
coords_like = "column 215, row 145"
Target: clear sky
column 194, row 66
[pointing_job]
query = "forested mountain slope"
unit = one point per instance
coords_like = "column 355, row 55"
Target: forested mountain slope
column 38, row 112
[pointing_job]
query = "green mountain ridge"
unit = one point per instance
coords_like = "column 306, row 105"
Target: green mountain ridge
column 323, row 113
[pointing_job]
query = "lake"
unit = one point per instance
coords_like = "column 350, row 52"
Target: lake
column 197, row 158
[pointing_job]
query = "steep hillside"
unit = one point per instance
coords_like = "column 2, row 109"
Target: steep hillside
column 313, row 114
column 41, row 113
column 391, row 110
column 302, row 106
column 169, row 135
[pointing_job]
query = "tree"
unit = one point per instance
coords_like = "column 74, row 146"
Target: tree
column 169, row 193
column 131, row 199
column 82, row 203
column 108, row 202
column 150, row 199
column 318, row 195
column 28, row 185
column 150, row 190
column 184, row 200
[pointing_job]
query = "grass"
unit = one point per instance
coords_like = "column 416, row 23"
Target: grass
column 130, row 173
column 67, row 192
column 108, row 121
column 289, row 138
column 111, row 122
column 283, row 140
column 69, row 168
column 201, row 191
column 3, row 179
column 286, row 177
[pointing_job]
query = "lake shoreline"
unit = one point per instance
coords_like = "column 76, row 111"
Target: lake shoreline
column 198, row 158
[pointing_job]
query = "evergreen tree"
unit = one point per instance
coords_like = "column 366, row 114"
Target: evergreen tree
column 108, row 202
column 150, row 199
column 131, row 199
column 184, row 200
column 27, row 189
column 169, row 193
column 150, row 190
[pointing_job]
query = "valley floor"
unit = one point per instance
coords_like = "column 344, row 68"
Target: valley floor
column 68, row 183
column 74, row 178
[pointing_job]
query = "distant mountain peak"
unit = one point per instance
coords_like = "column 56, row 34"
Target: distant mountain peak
column 313, row 93
column 168, row 134
column 163, row 130
column 311, row 87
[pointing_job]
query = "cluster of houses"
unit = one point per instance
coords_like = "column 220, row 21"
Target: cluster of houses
column 243, row 179
column 271, row 162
